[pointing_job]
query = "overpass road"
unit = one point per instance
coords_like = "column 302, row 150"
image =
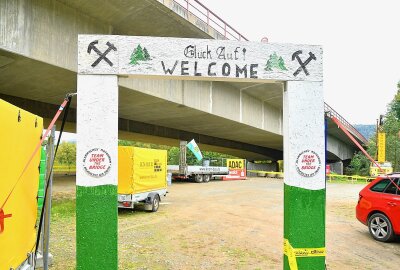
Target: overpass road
column 38, row 63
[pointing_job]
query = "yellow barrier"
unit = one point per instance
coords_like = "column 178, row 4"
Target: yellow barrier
column 330, row 177
column 349, row 178
column 20, row 132
column 280, row 174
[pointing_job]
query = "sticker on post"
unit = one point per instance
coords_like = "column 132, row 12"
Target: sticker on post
column 97, row 162
column 308, row 163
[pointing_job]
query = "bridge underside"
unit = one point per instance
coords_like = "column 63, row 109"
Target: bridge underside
column 39, row 87
column 38, row 63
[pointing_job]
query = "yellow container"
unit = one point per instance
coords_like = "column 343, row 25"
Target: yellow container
column 20, row 132
column 141, row 169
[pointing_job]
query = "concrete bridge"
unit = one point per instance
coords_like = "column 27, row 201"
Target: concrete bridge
column 38, row 63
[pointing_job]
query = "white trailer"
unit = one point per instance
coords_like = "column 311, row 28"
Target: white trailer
column 197, row 173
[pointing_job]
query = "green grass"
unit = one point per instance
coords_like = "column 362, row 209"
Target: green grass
column 63, row 208
column 347, row 182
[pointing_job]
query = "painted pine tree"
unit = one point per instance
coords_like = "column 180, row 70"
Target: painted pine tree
column 146, row 54
column 275, row 62
column 139, row 54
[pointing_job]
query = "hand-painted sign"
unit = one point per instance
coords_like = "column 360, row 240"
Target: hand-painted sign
column 102, row 56
column 2, row 217
column 302, row 65
column 308, row 163
column 199, row 58
column 237, row 169
column 97, row 162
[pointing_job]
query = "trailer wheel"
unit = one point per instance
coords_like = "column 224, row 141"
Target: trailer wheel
column 206, row 178
column 155, row 204
column 198, row 178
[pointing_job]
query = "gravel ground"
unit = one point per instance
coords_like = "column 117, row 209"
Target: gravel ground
column 224, row 225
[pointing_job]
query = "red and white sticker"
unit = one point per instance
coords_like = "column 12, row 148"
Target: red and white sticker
column 97, row 162
column 308, row 163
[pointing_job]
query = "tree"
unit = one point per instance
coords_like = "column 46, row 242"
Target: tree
column 173, row 153
column 391, row 127
column 394, row 106
column 275, row 62
column 146, row 54
column 359, row 165
column 66, row 154
column 139, row 54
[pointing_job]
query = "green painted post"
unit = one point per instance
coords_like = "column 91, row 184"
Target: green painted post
column 42, row 177
column 97, row 172
column 304, row 188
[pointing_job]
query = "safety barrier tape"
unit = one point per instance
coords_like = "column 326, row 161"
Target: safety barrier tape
column 294, row 253
column 256, row 171
column 349, row 177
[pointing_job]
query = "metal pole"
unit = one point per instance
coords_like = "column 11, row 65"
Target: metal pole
column 47, row 213
column 182, row 157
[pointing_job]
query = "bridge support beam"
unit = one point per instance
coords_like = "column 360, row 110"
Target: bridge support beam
column 304, row 188
column 97, row 173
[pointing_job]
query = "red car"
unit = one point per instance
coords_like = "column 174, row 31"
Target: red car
column 378, row 207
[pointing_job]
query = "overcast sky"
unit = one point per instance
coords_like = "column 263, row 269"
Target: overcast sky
column 361, row 42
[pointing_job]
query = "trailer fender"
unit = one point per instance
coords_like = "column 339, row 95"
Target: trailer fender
column 152, row 202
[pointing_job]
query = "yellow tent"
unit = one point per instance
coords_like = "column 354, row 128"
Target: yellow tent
column 20, row 132
column 141, row 169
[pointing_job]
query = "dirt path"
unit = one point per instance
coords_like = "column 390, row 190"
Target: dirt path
column 229, row 225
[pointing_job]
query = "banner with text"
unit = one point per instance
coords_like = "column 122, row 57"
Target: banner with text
column 198, row 59
column 237, row 169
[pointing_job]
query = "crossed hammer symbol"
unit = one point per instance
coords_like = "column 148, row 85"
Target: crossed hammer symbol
column 2, row 217
column 92, row 46
column 303, row 65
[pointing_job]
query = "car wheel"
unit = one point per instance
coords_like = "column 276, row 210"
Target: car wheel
column 155, row 204
column 206, row 178
column 380, row 227
column 198, row 178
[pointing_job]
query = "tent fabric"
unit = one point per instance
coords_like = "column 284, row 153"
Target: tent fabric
column 19, row 135
column 141, row 169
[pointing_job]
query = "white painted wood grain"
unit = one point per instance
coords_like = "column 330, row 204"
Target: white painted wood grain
column 303, row 116
column 171, row 51
column 97, row 125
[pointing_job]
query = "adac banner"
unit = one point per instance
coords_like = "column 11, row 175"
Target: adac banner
column 237, row 169
column 192, row 145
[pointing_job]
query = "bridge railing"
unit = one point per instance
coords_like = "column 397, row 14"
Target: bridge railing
column 350, row 128
column 206, row 16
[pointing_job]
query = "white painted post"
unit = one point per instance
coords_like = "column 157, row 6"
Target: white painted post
column 304, row 189
column 97, row 172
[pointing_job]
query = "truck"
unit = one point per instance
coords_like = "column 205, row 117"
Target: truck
column 142, row 177
column 196, row 173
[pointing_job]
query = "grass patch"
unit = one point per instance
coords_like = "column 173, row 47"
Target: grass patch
column 348, row 182
column 63, row 208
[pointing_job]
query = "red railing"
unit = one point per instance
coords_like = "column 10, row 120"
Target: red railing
column 331, row 112
column 207, row 18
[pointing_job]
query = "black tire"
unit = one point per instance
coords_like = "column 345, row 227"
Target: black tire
column 155, row 204
column 380, row 227
column 198, row 178
column 206, row 178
